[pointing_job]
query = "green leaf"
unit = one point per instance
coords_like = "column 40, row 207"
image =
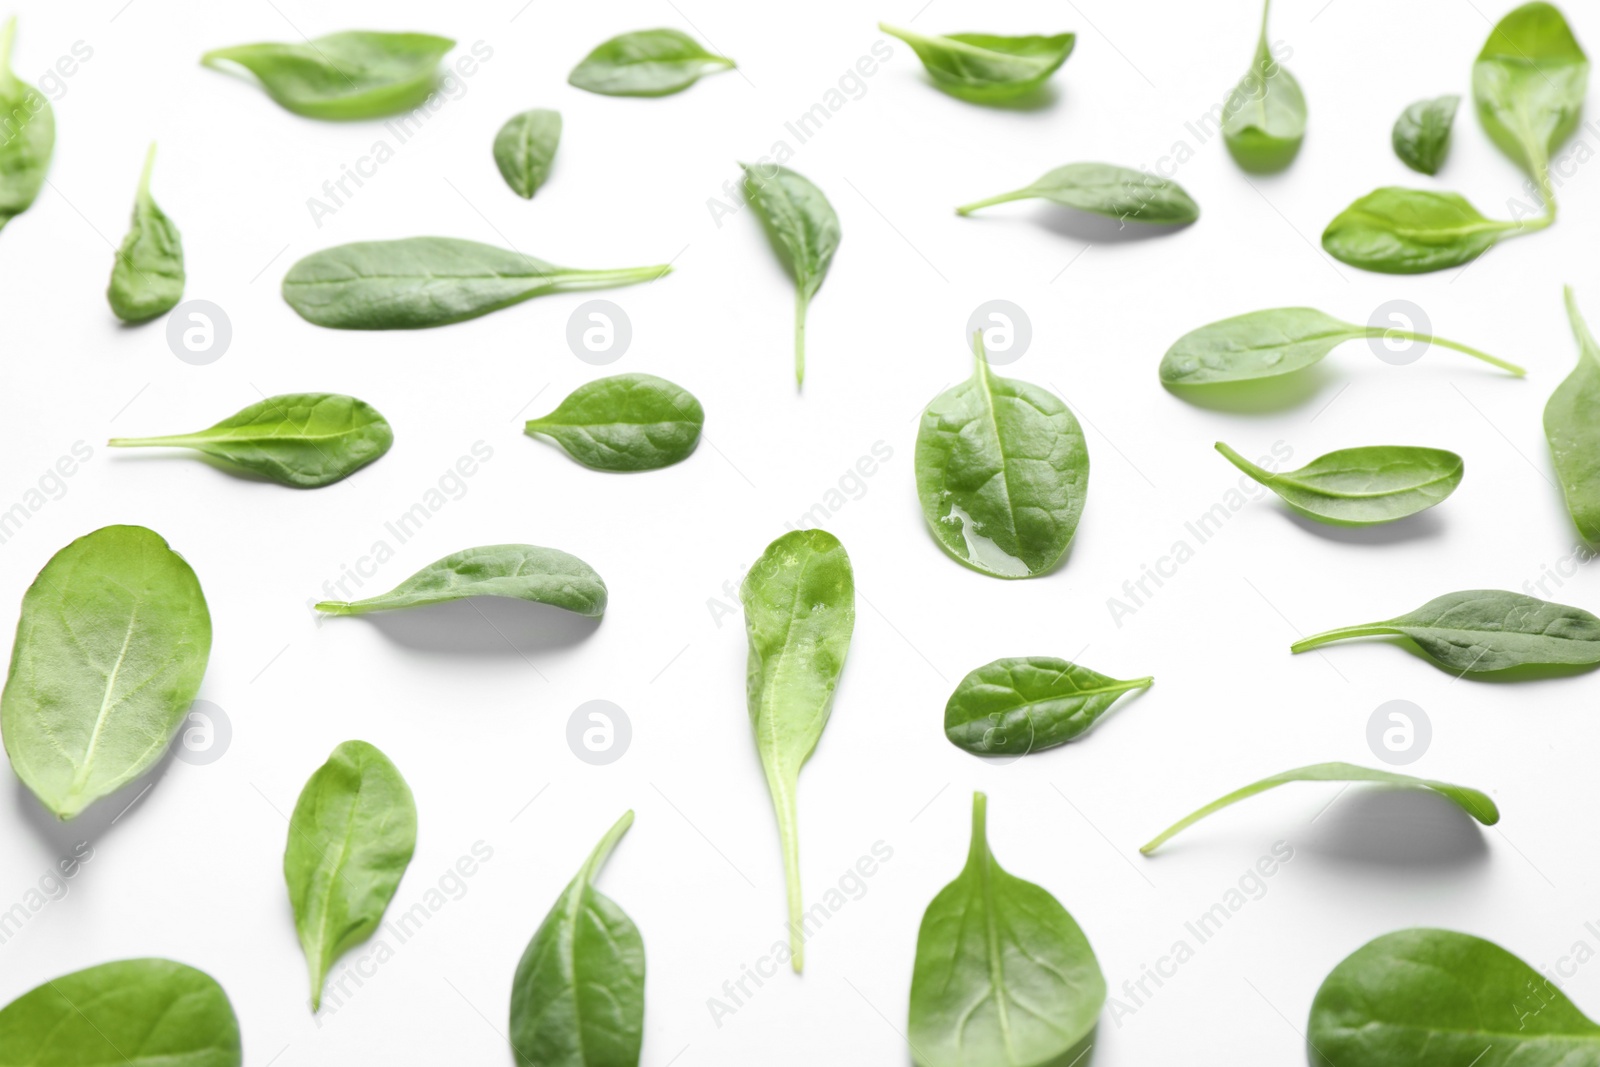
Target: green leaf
column 357, row 74
column 1002, row 472
column 29, row 135
column 109, row 653
column 985, row 67
column 1411, row 231
column 1474, row 803
column 1103, row 189
column 1028, row 703
column 1421, row 134
column 629, row 422
column 805, row 232
column 305, row 440
column 131, row 1013
column 1487, row 630
column 1265, row 344
column 1004, row 977
column 1572, row 426
column 350, row 839
column 1529, row 83
column 147, row 277
column 646, row 63
column 799, row 611
column 1362, row 486
column 1265, row 115
column 1436, row 998
column 525, row 147
column 418, row 282
column 521, row 572
column 578, row 996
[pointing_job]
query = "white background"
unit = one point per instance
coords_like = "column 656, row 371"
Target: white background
column 476, row 719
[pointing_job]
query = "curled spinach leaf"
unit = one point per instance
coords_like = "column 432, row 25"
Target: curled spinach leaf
column 1362, row 486
column 1421, row 135
column 357, row 74
column 1265, row 115
column 1573, row 429
column 646, row 63
column 525, row 147
column 805, row 231
column 147, row 277
column 522, row 572
column 986, row 67
column 1028, row 703
column 629, row 422
column 1103, row 189
column 30, row 135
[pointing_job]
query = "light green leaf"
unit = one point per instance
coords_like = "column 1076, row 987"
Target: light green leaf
column 1362, row 486
column 29, row 135
column 803, row 229
column 1529, row 83
column 1103, row 189
column 525, row 148
column 646, row 63
column 1572, row 426
column 986, row 67
column 1421, row 135
column 1265, row 116
column 629, row 422
column 147, row 277
column 522, row 572
column 1028, row 703
column 1411, row 231
column 356, row 74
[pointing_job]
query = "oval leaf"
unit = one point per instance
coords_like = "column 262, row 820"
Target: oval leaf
column 1362, row 486
column 1265, row 115
column 985, row 67
column 147, row 277
column 30, row 135
column 805, row 231
column 522, row 572
column 524, row 149
column 1529, row 83
column 1028, row 703
column 357, row 74
column 1573, row 431
column 646, row 63
column 1412, row 231
column 630, row 422
column 1421, row 134
column 1103, row 189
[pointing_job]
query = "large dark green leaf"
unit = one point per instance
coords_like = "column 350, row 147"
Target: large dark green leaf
column 986, row 67
column 522, row 572
column 147, row 277
column 1572, row 426
column 1027, row 703
column 1103, row 189
column 1362, row 486
column 629, row 422
column 29, row 135
column 646, row 63
column 1265, row 115
column 805, row 231
column 1413, row 231
column 357, row 74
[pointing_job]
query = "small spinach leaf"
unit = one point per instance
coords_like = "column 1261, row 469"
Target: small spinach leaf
column 1028, row 703
column 1265, row 115
column 799, row 612
column 1487, row 630
column 1529, row 83
column 1362, row 486
column 357, row 74
column 147, row 277
column 578, row 996
column 112, row 644
column 30, row 135
column 646, row 63
column 525, row 147
column 629, row 422
column 522, row 572
column 1572, row 427
column 418, row 282
column 986, row 67
column 1103, row 189
column 1421, row 135
column 1474, row 803
column 1003, row 973
column 1002, row 472
column 131, row 1013
column 305, row 440
column 805, row 231
column 350, row 839
column 1413, row 231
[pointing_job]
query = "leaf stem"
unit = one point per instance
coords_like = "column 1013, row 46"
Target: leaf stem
column 1580, row 329
column 175, row 441
column 801, row 303
column 1262, row 476
column 1432, row 339
column 1371, row 629
column 978, row 852
column 144, row 176
column 8, row 34
column 599, row 279
column 602, row 851
column 1019, row 194
column 1216, row 805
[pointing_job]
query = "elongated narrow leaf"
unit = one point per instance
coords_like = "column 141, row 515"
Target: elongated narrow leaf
column 112, row 644
column 521, row 572
column 1487, row 630
column 419, row 282
column 1421, row 135
column 1004, row 977
column 986, row 67
column 1027, row 703
column 1362, row 486
column 1414, row 231
column 1572, row 426
column 147, row 277
column 1104, row 189
column 131, row 1013
column 578, row 996
column 27, row 137
column 630, row 422
column 1265, row 115
column 357, row 74
column 1529, row 83
column 799, row 612
column 1002, row 472
column 646, row 63
column 350, row 839
column 804, row 231
column 305, row 440
column 525, row 148
column 1474, row 803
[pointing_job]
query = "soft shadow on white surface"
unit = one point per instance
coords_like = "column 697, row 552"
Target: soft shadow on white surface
column 1397, row 828
column 480, row 626
column 159, row 456
column 1417, row 527
column 97, row 819
column 1098, row 229
column 1268, row 396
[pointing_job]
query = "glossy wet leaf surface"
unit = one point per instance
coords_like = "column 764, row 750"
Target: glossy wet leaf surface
column 1362, row 486
column 646, row 63
column 147, row 277
column 628, row 422
column 356, row 74
column 29, row 137
column 804, row 231
column 1027, row 703
column 525, row 149
column 1572, row 426
column 1104, row 189
column 986, row 67
column 522, row 572
column 1421, row 135
column 1265, row 115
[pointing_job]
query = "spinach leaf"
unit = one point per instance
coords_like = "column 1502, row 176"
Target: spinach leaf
column 804, row 231
column 525, row 147
column 522, row 572
column 350, row 839
column 1362, row 486
column 1115, row 192
column 985, row 67
column 358, row 74
column 799, row 611
column 630, row 422
column 1437, row 998
column 131, row 1013
column 417, row 282
column 305, row 440
column 1571, row 427
column 1474, row 803
column 29, row 135
column 147, row 277
column 1421, row 134
column 1265, row 115
column 646, row 63
column 1002, row 472
column 1487, row 630
column 1264, row 344
column 578, row 996
column 110, row 649
column 1413, row 231
column 1003, row 973
column 1529, row 83
column 1027, row 703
